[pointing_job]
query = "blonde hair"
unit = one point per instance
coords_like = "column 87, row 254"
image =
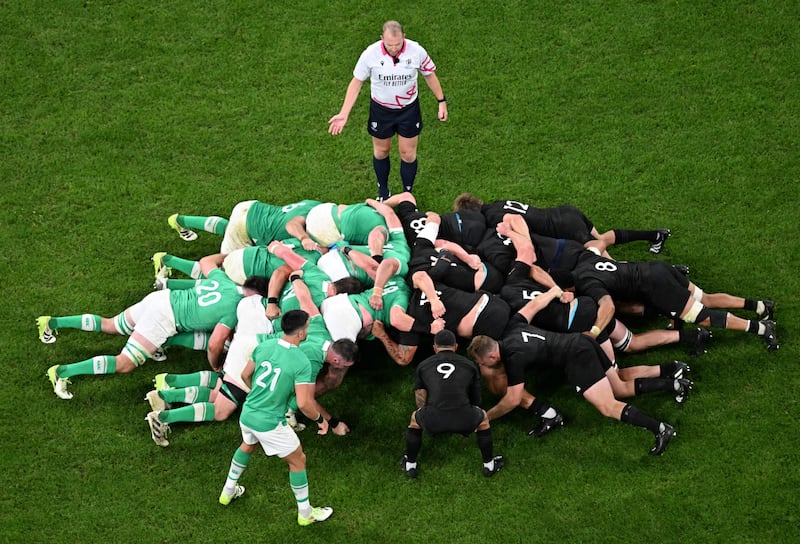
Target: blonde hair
column 481, row 346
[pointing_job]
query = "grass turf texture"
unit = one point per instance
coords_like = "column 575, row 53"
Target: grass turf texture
column 644, row 114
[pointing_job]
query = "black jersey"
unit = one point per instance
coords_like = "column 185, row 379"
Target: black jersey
column 520, row 289
column 557, row 252
column 451, row 380
column 558, row 222
column 465, row 228
column 441, row 266
column 457, row 304
column 654, row 283
column 497, row 250
column 525, row 346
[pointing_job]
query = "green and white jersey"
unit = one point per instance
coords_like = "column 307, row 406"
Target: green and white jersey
column 356, row 221
column 211, row 301
column 396, row 293
column 258, row 261
column 315, row 346
column 317, row 282
column 397, row 247
column 279, row 366
column 267, row 222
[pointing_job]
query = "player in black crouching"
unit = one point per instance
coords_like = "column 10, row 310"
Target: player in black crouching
column 448, row 396
column 504, row 363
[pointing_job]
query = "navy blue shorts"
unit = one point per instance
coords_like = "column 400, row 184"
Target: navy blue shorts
column 386, row 122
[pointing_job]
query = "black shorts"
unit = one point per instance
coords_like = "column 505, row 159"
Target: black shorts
column 412, row 219
column 385, row 122
column 234, row 393
column 462, row 420
column 569, row 222
column 665, row 289
column 493, row 319
column 587, row 364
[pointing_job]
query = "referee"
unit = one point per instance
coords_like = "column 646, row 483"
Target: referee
column 392, row 65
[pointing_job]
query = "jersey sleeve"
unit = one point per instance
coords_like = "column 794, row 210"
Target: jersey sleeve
column 303, row 374
column 362, row 70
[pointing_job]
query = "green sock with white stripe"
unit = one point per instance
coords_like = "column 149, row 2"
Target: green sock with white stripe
column 84, row 322
column 200, row 411
column 299, row 483
column 100, row 364
column 186, row 395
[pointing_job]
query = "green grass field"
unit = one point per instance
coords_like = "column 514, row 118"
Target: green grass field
column 115, row 114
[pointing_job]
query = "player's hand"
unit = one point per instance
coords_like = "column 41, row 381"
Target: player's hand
column 323, row 427
column 437, row 308
column 474, row 262
column 503, row 229
column 376, row 299
column 336, row 123
column 273, row 246
column 341, row 429
column 309, row 244
column 437, row 325
column 273, row 311
column 567, row 297
column 378, row 329
column 442, row 111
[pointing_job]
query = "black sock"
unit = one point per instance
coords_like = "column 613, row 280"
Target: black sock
column 623, row 236
column 382, row 168
column 413, row 444
column 633, row 416
column 648, row 385
column 667, row 369
column 408, row 172
column 751, row 305
column 484, row 439
column 752, row 326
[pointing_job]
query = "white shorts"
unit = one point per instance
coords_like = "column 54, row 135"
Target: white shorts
column 252, row 321
column 332, row 263
column 239, row 352
column 341, row 318
column 236, row 236
column 321, row 226
column 280, row 441
column 153, row 317
column 233, row 265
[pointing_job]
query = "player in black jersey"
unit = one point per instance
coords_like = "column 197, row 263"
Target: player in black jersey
column 559, row 222
column 578, row 314
column 586, row 366
column 659, row 286
column 464, row 313
column 447, row 392
column 449, row 263
column 465, row 228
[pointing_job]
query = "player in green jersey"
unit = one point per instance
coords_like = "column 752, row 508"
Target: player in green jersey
column 278, row 369
column 209, row 306
column 251, row 223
